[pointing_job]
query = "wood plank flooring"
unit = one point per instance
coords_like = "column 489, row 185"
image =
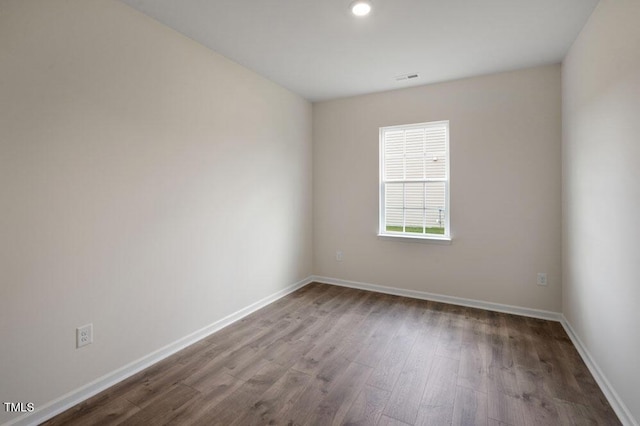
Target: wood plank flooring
column 326, row 355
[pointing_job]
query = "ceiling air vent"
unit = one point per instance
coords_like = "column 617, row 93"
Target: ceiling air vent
column 407, row 76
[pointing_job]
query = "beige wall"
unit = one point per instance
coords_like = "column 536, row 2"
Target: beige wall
column 147, row 185
column 505, row 189
column 601, row 193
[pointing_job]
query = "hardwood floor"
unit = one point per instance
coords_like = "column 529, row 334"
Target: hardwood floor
column 329, row 355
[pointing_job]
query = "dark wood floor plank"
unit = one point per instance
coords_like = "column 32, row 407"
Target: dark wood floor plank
column 594, row 398
column 386, row 327
column 476, row 314
column 218, row 389
column 334, row 406
column 386, row 373
column 161, row 405
column 279, row 309
column 323, row 297
column 309, row 399
column 474, row 357
column 501, row 368
column 316, row 390
column 277, row 399
column 419, row 372
column 436, row 407
column 444, row 371
column 470, row 407
column 290, row 348
column 328, row 343
column 113, row 411
column 450, row 343
column 287, row 354
column 521, row 343
column 359, row 344
column 505, row 408
column 244, row 358
column 334, row 355
column 558, row 378
column 573, row 414
column 393, row 359
column 367, row 408
column 157, row 384
column 538, row 406
column 243, row 398
column 390, row 421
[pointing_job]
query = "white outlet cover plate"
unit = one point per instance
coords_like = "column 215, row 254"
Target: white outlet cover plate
column 542, row 278
column 84, row 335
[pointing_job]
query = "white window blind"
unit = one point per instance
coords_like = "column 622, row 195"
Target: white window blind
column 414, row 180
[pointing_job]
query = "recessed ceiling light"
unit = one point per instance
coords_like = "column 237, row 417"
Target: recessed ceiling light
column 360, row 7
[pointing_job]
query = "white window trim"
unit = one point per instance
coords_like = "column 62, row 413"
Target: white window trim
column 382, row 230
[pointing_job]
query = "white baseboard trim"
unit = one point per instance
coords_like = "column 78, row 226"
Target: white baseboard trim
column 490, row 306
column 72, row 398
column 612, row 396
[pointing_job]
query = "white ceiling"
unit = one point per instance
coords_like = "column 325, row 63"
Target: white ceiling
column 321, row 51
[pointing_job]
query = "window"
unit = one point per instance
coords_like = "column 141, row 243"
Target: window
column 414, row 181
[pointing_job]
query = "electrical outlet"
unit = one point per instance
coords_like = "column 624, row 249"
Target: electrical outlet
column 339, row 256
column 542, row 278
column 84, row 335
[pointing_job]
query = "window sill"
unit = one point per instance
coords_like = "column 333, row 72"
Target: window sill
column 430, row 239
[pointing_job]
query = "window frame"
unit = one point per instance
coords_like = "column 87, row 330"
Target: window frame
column 382, row 229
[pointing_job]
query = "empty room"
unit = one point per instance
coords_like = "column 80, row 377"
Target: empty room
column 384, row 212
